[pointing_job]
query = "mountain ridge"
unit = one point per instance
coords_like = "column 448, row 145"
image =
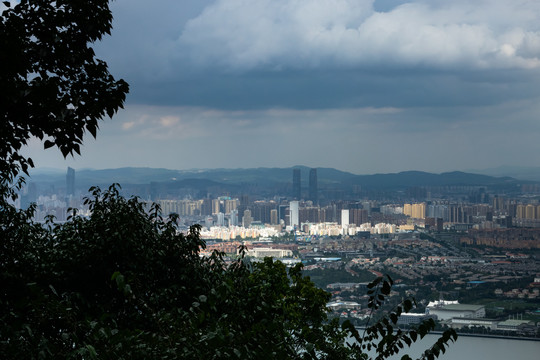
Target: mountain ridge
column 264, row 176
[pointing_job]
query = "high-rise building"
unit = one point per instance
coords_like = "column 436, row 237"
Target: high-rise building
column 247, row 219
column 283, row 211
column 233, row 218
column 309, row 214
column 313, row 189
column 206, row 207
column 294, row 208
column 230, row 205
column 244, row 200
column 530, row 211
column 260, row 210
column 358, row 216
column 29, row 196
column 498, row 202
column 407, row 209
column 416, row 211
column 154, row 190
column 274, row 217
column 297, row 187
column 344, row 218
column 419, row 211
column 168, row 206
column 216, row 206
column 70, row 181
column 220, row 219
column 520, row 211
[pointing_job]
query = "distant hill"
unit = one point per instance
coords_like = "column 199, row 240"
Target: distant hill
column 419, row 178
column 517, row 172
column 266, row 177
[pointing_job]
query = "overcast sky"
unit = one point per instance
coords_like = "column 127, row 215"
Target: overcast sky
column 360, row 85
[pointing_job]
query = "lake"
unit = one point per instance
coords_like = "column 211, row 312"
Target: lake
column 479, row 348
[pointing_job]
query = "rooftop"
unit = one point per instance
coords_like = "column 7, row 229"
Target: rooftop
column 462, row 307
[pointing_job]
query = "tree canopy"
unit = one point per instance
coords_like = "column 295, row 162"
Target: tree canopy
column 53, row 87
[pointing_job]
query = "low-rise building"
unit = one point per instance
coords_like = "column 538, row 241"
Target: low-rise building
column 413, row 318
column 513, row 325
column 458, row 323
column 338, row 305
column 268, row 252
column 446, row 310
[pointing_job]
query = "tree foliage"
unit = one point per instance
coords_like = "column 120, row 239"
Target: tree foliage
column 124, row 283
column 52, row 85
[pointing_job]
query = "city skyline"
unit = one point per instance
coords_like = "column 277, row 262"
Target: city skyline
column 363, row 86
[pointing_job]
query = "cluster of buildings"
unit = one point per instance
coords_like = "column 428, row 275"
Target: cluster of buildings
column 508, row 238
column 531, row 294
column 238, row 232
column 458, row 316
column 300, row 210
column 449, row 313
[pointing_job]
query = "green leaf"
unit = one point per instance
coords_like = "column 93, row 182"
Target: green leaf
column 407, row 340
column 91, row 351
column 374, row 282
column 407, row 305
column 386, row 288
column 48, row 144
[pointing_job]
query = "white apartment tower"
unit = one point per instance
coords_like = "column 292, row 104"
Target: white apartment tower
column 344, row 218
column 293, row 208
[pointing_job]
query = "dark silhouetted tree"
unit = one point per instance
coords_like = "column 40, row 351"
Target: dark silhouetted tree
column 51, row 84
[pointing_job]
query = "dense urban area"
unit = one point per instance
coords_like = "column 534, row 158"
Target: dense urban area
column 467, row 253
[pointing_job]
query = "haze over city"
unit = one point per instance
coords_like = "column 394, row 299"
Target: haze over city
column 363, row 86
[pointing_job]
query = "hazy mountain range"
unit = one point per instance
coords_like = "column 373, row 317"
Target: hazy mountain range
column 517, row 172
column 263, row 177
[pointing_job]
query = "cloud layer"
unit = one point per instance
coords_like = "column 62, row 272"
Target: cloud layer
column 364, row 141
column 243, row 35
column 309, row 54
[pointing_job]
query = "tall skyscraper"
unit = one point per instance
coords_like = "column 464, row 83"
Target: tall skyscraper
column 216, row 206
column 313, row 190
column 283, row 211
column 296, row 184
column 344, row 218
column 273, row 217
column 70, row 182
column 230, row 205
column 419, row 211
column 247, row 219
column 234, row 218
column 220, row 219
column 358, row 216
column 294, row 208
column 206, row 207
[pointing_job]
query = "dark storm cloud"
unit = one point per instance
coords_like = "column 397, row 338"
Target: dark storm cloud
column 234, row 54
column 341, row 89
